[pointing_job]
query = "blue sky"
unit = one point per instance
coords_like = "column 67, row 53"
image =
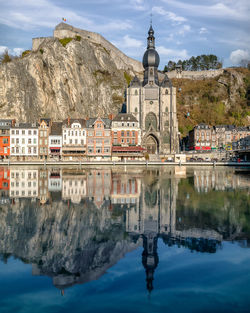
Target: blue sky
column 182, row 28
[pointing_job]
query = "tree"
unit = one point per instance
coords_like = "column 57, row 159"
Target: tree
column 5, row 57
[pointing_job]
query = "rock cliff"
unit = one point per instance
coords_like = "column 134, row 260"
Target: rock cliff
column 73, row 73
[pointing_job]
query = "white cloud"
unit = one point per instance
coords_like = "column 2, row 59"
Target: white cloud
column 203, row 30
column 3, row 49
column 173, row 54
column 237, row 10
column 44, row 13
column 15, row 51
column 237, row 56
column 184, row 29
column 129, row 42
column 168, row 15
column 138, row 5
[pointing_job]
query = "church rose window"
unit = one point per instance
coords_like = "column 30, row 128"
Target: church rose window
column 151, row 120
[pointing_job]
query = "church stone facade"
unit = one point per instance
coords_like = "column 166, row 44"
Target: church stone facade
column 153, row 103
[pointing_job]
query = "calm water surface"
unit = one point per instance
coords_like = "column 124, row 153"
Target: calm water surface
column 124, row 240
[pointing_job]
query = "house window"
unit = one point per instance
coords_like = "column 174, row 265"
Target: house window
column 127, row 133
column 29, row 141
column 29, row 132
column 90, row 133
column 99, row 125
column 98, row 133
column 23, row 141
column 23, row 132
column 29, row 150
column 17, row 141
column 5, row 140
column 34, row 132
column 98, row 150
column 133, row 133
column 122, row 133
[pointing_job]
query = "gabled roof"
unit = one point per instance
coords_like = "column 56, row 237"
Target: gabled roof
column 166, row 82
column 125, row 117
column 69, row 121
column 135, row 82
column 90, row 122
column 56, row 128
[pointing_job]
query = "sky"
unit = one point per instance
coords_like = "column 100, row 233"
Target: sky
column 183, row 28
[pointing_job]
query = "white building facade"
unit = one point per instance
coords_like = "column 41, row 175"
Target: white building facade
column 24, row 140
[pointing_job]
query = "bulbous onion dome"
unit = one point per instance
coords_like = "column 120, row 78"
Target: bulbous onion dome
column 151, row 58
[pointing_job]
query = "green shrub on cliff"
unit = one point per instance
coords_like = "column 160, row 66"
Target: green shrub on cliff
column 65, row 41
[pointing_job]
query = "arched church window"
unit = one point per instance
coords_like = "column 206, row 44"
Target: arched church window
column 136, row 110
column 136, row 92
column 166, row 92
column 166, row 109
column 151, row 72
column 151, row 120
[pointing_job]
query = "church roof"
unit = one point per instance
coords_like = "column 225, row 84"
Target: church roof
column 166, row 82
column 135, row 82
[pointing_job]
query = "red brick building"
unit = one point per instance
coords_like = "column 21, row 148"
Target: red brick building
column 200, row 137
column 98, row 143
column 126, row 138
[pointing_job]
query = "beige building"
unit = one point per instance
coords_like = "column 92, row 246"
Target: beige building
column 153, row 103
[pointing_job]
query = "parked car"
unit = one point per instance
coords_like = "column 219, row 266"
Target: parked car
column 192, row 160
column 199, row 160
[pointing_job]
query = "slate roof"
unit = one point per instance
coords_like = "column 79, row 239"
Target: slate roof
column 125, row 117
column 166, row 82
column 5, row 124
column 135, row 82
column 91, row 121
column 25, row 125
column 74, row 120
column 56, row 128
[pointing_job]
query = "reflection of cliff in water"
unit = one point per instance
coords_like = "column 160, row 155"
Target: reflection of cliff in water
column 72, row 225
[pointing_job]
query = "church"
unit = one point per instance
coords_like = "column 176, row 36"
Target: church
column 153, row 102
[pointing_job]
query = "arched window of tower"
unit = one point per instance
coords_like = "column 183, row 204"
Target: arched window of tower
column 136, row 110
column 136, row 92
column 166, row 92
column 166, row 109
column 151, row 120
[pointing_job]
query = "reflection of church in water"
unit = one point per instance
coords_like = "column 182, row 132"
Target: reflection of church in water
column 90, row 211
column 153, row 102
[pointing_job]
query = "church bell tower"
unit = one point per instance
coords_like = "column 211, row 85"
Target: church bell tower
column 153, row 102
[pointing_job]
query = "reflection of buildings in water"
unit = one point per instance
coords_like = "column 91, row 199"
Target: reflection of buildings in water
column 156, row 217
column 207, row 179
column 125, row 190
column 43, row 186
column 4, row 185
column 74, row 186
column 55, row 180
column 99, row 185
column 78, row 244
column 23, row 183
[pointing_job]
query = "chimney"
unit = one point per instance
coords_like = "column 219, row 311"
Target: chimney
column 13, row 122
column 68, row 121
column 111, row 116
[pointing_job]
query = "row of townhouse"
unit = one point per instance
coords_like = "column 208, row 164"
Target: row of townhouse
column 116, row 137
column 220, row 137
column 95, row 185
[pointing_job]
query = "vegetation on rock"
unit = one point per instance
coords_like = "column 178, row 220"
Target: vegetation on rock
column 5, row 57
column 199, row 63
column 65, row 41
column 25, row 53
column 214, row 101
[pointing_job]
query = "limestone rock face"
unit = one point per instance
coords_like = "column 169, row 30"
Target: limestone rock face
column 86, row 77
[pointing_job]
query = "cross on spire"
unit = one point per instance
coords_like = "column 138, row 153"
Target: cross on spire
column 151, row 18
